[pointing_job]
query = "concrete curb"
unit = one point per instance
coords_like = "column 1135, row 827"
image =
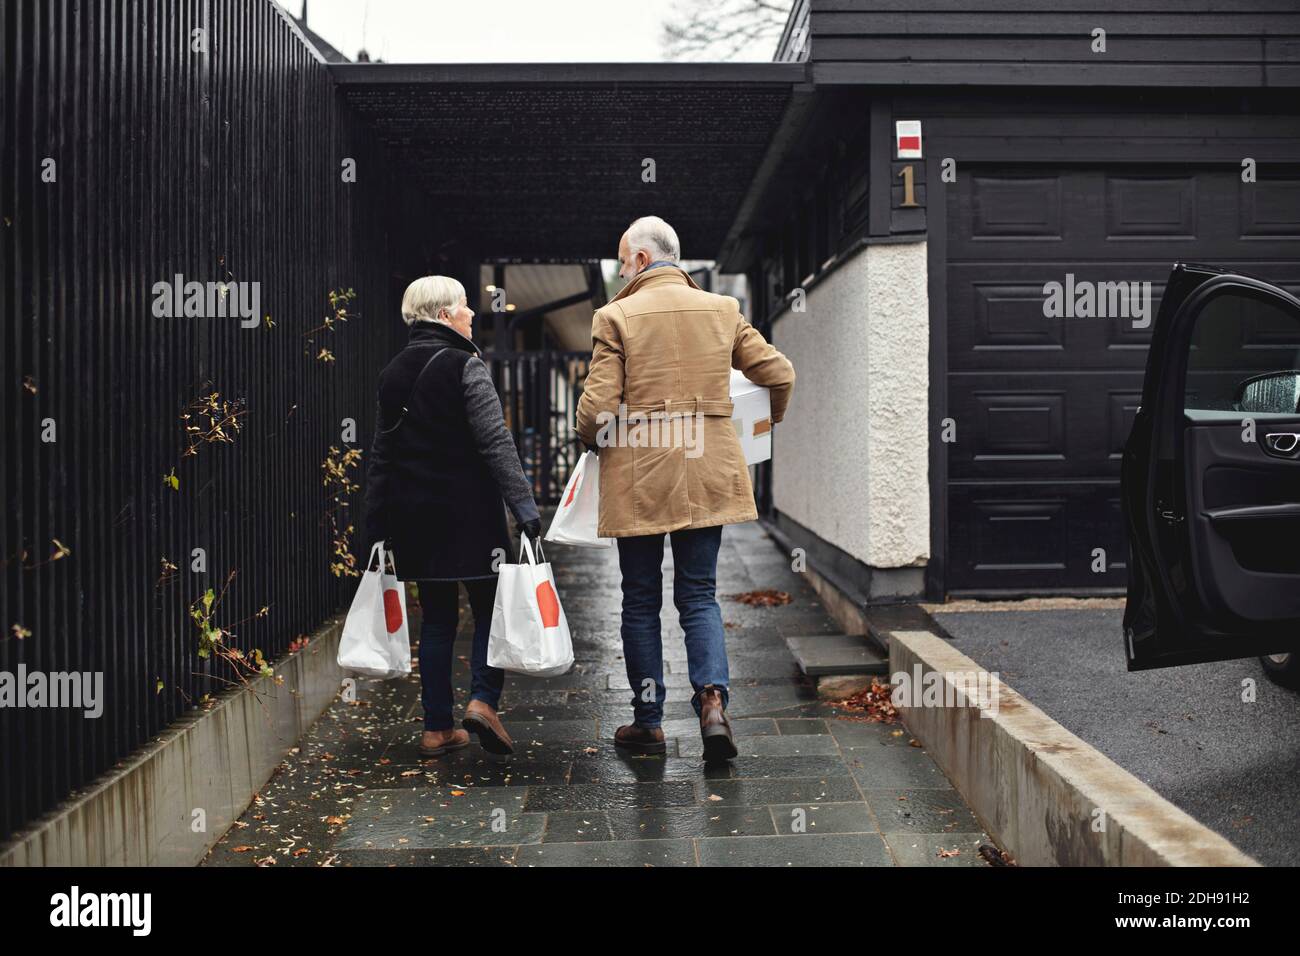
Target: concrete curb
column 142, row 813
column 1047, row 797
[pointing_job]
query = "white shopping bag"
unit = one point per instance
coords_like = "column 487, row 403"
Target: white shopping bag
column 578, row 515
column 375, row 639
column 530, row 634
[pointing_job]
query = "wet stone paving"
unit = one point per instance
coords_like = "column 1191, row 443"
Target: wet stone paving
column 814, row 785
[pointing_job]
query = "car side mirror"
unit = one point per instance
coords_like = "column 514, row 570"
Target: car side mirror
column 1277, row 392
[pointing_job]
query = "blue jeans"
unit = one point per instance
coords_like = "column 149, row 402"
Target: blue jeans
column 695, row 572
column 440, row 602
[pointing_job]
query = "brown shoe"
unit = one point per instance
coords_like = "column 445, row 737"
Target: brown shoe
column 640, row 740
column 715, row 729
column 482, row 720
column 435, row 743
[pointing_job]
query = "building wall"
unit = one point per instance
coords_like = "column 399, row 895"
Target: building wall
column 1225, row 43
column 850, row 459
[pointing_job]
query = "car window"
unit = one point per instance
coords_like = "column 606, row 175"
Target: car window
column 1244, row 356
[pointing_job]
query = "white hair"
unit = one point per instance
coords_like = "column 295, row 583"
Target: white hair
column 427, row 296
column 655, row 237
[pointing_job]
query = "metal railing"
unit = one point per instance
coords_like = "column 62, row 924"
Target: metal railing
column 539, row 396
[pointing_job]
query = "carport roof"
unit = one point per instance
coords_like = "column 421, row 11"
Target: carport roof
column 544, row 161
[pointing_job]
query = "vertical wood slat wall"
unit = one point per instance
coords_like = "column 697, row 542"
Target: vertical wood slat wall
column 222, row 165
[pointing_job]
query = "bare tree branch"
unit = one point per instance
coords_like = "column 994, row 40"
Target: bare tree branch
column 698, row 30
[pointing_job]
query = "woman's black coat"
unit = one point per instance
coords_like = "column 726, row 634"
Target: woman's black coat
column 429, row 491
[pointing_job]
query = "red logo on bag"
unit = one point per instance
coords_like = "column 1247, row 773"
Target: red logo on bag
column 572, row 491
column 393, row 610
column 548, row 604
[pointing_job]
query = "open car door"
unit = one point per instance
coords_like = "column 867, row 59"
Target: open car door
column 1211, row 476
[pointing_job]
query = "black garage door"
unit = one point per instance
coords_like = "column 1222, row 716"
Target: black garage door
column 1042, row 404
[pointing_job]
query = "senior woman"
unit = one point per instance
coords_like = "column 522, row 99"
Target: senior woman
column 442, row 462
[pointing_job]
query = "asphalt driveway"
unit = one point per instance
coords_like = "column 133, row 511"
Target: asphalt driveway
column 1185, row 731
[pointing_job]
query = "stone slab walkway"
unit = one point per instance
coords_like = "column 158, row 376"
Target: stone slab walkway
column 813, row 785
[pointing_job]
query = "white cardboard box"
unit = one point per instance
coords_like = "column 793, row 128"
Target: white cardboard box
column 752, row 417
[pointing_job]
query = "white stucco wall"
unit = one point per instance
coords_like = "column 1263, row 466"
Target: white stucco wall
column 851, row 459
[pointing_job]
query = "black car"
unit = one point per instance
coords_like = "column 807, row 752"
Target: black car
column 1211, row 479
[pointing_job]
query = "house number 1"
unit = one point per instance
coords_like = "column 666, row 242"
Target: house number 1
column 909, row 191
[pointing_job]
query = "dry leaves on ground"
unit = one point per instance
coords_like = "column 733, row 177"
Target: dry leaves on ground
column 873, row 703
column 764, row 598
column 995, row 857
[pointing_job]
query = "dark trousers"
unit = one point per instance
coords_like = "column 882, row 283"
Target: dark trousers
column 440, row 602
column 695, row 573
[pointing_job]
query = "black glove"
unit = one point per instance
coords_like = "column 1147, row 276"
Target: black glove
column 532, row 528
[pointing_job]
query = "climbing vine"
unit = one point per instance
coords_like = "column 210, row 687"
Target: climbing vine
column 167, row 573
column 215, row 640
column 339, row 300
column 208, row 420
column 338, row 487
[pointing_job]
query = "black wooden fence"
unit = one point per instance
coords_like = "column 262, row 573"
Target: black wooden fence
column 145, row 139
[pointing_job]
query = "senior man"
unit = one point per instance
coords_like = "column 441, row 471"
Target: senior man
column 664, row 347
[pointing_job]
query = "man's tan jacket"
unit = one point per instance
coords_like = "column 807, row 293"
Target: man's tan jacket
column 665, row 346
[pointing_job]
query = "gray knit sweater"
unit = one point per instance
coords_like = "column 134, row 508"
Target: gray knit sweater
column 488, row 424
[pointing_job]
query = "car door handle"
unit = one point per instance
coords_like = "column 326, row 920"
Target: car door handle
column 1282, row 443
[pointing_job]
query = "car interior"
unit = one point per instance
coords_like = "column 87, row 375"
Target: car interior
column 1242, row 457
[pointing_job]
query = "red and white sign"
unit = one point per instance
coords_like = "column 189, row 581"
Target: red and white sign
column 907, row 139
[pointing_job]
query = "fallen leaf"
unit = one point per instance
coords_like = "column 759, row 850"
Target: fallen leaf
column 995, row 857
column 763, row 598
column 875, row 704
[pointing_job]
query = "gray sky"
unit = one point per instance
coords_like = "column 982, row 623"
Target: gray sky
column 495, row 31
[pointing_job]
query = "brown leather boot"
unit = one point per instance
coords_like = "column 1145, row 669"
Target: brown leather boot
column 482, row 720
column 435, row 743
column 715, row 729
column 641, row 740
